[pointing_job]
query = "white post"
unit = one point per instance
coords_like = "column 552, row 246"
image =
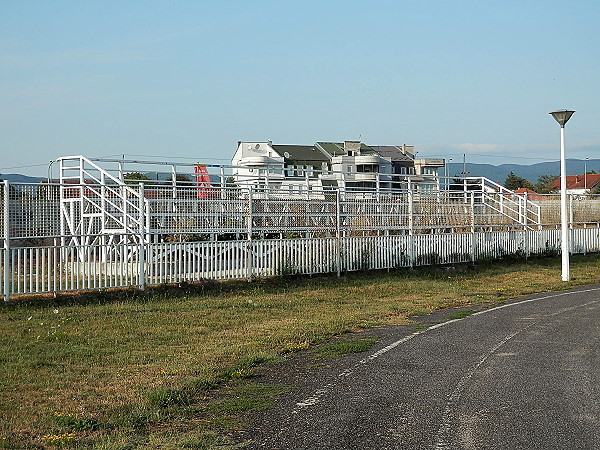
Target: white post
column 571, row 208
column 142, row 238
column 473, row 234
column 6, row 241
column 525, row 230
column 585, row 175
column 411, row 237
column 563, row 209
column 472, row 201
column 249, row 237
column 446, row 173
column 338, row 232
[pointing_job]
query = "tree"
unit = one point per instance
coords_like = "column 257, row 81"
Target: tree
column 135, row 177
column 514, row 182
column 181, row 178
column 544, row 184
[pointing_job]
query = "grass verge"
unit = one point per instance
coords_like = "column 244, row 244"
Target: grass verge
column 176, row 367
column 345, row 347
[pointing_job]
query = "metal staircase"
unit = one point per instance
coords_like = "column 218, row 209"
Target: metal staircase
column 496, row 204
column 99, row 209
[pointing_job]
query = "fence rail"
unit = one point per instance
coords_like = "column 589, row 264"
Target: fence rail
column 248, row 233
column 53, row 269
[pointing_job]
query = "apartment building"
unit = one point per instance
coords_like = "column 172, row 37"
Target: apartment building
column 351, row 165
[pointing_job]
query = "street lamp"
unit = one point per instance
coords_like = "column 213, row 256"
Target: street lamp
column 585, row 175
column 562, row 116
column 446, row 172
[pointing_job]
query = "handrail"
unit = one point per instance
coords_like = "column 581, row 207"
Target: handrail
column 521, row 205
column 114, row 193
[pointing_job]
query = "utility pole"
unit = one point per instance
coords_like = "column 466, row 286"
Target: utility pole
column 464, row 172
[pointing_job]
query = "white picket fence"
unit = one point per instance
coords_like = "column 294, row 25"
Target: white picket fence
column 54, row 269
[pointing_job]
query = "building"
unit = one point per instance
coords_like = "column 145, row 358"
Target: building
column 579, row 184
column 349, row 165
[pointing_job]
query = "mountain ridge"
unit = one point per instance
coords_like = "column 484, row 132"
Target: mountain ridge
column 497, row 173
column 530, row 172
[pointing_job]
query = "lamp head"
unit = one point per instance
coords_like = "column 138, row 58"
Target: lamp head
column 562, row 116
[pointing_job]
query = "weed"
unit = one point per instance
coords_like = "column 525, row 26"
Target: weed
column 165, row 397
column 460, row 314
column 247, row 397
column 73, row 424
column 431, row 258
column 340, row 348
column 58, row 440
column 291, row 347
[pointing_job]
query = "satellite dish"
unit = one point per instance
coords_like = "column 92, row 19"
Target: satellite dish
column 286, row 155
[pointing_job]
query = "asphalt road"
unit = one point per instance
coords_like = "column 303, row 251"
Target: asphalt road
column 525, row 375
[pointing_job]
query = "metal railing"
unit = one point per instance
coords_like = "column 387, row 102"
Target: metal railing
column 56, row 236
column 114, row 205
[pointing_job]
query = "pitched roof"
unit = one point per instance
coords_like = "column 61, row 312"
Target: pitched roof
column 393, row 152
column 589, row 180
column 531, row 195
column 333, row 148
column 308, row 153
column 300, row 153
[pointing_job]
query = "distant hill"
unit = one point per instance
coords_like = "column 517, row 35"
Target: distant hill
column 529, row 172
column 18, row 178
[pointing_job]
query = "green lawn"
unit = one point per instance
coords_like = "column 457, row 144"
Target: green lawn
column 174, row 367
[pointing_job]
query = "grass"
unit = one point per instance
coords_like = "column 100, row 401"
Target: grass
column 345, row 347
column 460, row 314
column 177, row 367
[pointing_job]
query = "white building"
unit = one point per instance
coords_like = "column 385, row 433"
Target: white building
column 349, row 165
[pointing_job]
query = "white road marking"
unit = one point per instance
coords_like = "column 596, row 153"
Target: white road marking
column 320, row 393
column 445, row 426
column 444, row 431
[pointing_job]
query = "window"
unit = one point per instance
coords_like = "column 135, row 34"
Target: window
column 367, row 168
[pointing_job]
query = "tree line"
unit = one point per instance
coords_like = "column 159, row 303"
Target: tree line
column 542, row 186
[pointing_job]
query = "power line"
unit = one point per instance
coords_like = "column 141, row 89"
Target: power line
column 23, row 167
column 173, row 157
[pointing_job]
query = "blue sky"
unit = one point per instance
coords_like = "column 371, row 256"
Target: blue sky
column 178, row 80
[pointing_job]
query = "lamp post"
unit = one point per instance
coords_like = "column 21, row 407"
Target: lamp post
column 446, row 172
column 562, row 116
column 585, row 175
